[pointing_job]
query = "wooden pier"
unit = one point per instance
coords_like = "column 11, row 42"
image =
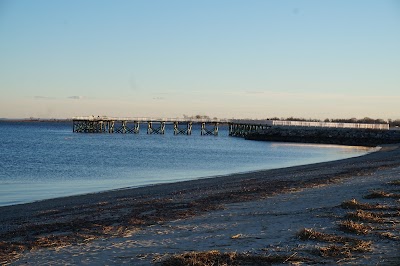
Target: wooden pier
column 154, row 125
column 242, row 130
column 208, row 127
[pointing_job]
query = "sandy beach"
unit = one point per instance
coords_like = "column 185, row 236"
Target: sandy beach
column 340, row 212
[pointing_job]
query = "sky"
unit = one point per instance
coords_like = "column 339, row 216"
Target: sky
column 221, row 58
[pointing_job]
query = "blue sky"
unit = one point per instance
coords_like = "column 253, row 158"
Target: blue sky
column 242, row 59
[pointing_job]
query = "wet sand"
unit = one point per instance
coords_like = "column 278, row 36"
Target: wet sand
column 258, row 212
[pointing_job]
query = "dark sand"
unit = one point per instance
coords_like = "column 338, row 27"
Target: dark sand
column 29, row 230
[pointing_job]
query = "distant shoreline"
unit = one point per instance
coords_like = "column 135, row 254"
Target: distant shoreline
column 321, row 135
column 35, row 120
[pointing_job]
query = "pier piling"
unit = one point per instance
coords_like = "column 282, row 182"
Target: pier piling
column 205, row 131
column 184, row 131
column 156, row 130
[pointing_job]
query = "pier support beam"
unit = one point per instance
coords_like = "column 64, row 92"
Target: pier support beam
column 180, row 131
column 134, row 129
column 158, row 130
column 241, row 130
column 86, row 126
column 213, row 131
column 76, row 126
column 121, row 128
column 111, row 126
column 154, row 126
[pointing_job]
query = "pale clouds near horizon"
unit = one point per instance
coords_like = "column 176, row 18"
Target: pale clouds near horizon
column 223, row 105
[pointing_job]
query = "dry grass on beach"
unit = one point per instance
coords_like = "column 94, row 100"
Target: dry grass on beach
column 354, row 227
column 215, row 257
column 367, row 223
column 381, row 194
column 376, row 220
column 344, row 251
column 338, row 245
column 394, row 183
column 362, row 220
column 311, row 234
column 365, row 216
column 355, row 205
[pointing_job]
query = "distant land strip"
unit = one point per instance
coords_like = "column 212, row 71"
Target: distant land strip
column 337, row 136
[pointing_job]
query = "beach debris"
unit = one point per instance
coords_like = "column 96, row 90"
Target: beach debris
column 389, row 235
column 236, row 236
column 333, row 251
column 215, row 257
column 381, row 194
column 354, row 227
column 311, row 234
column 343, row 246
column 354, row 204
column 345, row 250
column 10, row 251
column 394, row 183
column 364, row 216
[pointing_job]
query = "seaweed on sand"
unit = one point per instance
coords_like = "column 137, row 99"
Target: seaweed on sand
column 354, row 227
column 215, row 257
column 364, row 216
column 339, row 245
column 354, row 204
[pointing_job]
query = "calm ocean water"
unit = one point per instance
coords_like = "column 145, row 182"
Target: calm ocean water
column 46, row 160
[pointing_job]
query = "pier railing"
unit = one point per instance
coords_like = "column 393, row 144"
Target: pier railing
column 150, row 119
column 330, row 124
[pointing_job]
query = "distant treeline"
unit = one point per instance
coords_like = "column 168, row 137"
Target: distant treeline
column 206, row 117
